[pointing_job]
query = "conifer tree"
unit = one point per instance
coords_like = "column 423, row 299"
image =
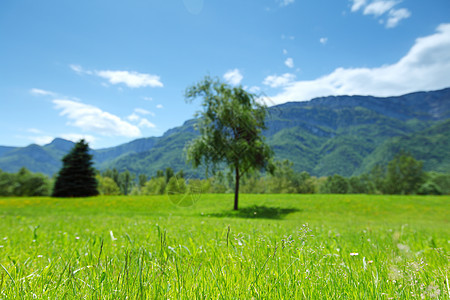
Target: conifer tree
column 77, row 176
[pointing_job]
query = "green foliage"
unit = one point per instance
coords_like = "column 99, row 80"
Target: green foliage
column 404, row 175
column 77, row 176
column 429, row 188
column 126, row 182
column 24, row 183
column 442, row 181
column 361, row 185
column 335, row 184
column 283, row 180
column 176, row 186
column 230, row 127
column 155, row 186
column 107, row 186
column 142, row 180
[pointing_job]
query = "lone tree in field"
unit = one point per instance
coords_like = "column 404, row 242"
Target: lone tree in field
column 77, row 176
column 230, row 127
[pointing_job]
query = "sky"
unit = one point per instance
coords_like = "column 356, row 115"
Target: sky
column 114, row 71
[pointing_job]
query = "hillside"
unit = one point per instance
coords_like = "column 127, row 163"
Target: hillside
column 346, row 135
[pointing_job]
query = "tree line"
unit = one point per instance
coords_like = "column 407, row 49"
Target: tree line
column 403, row 175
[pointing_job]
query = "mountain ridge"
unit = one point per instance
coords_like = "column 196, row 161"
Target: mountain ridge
column 336, row 134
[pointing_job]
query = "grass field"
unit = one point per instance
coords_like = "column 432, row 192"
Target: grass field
column 276, row 246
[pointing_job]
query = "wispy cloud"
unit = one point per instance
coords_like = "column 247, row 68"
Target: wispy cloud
column 378, row 8
column 142, row 111
column 146, row 123
column 41, row 139
column 425, row 67
column 381, row 8
column 254, row 89
column 136, row 118
column 357, row 4
column 35, row 131
column 93, row 119
column 133, row 117
column 323, row 40
column 39, row 92
column 275, row 81
column 75, row 137
column 285, row 2
column 233, row 77
column 159, row 106
column 79, row 69
column 131, row 79
column 289, row 62
column 396, row 15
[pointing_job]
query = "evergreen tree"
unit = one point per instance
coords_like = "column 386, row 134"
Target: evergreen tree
column 77, row 176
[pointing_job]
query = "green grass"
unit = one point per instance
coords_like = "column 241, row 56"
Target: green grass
column 276, row 246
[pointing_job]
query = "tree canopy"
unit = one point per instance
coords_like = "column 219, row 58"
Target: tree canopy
column 77, row 176
column 230, row 127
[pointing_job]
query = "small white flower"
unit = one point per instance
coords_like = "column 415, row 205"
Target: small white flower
column 354, row 254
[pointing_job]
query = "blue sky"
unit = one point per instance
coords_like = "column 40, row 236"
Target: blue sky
column 113, row 71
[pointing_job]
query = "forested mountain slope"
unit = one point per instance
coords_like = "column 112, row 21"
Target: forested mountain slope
column 344, row 135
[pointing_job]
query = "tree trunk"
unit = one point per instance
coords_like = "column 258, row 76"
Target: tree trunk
column 236, row 189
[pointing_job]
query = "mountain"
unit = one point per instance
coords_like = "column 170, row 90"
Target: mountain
column 344, row 135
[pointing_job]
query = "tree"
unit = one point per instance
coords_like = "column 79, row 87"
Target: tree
column 77, row 176
column 107, row 186
column 125, row 182
column 335, row 184
column 230, row 127
column 404, row 175
column 284, row 179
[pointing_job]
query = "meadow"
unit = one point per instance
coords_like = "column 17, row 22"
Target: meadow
column 274, row 247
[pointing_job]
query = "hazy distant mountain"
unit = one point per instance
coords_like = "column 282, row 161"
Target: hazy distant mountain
column 346, row 135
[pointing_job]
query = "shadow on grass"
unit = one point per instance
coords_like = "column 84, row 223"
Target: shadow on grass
column 257, row 212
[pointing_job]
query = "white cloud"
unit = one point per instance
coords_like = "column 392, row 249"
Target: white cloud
column 254, row 89
column 285, row 2
column 39, row 92
column 275, row 81
column 35, row 131
column 285, row 52
column 75, row 137
column 91, row 118
column 159, row 106
column 357, row 4
column 380, row 8
column 425, row 67
column 234, row 77
column 79, row 69
column 147, row 98
column 133, row 117
column 396, row 15
column 142, row 111
column 146, row 123
column 131, row 79
column 323, row 40
column 41, row 140
column 289, row 62
column 377, row 8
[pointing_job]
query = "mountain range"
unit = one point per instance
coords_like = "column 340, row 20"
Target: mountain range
column 345, row 135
